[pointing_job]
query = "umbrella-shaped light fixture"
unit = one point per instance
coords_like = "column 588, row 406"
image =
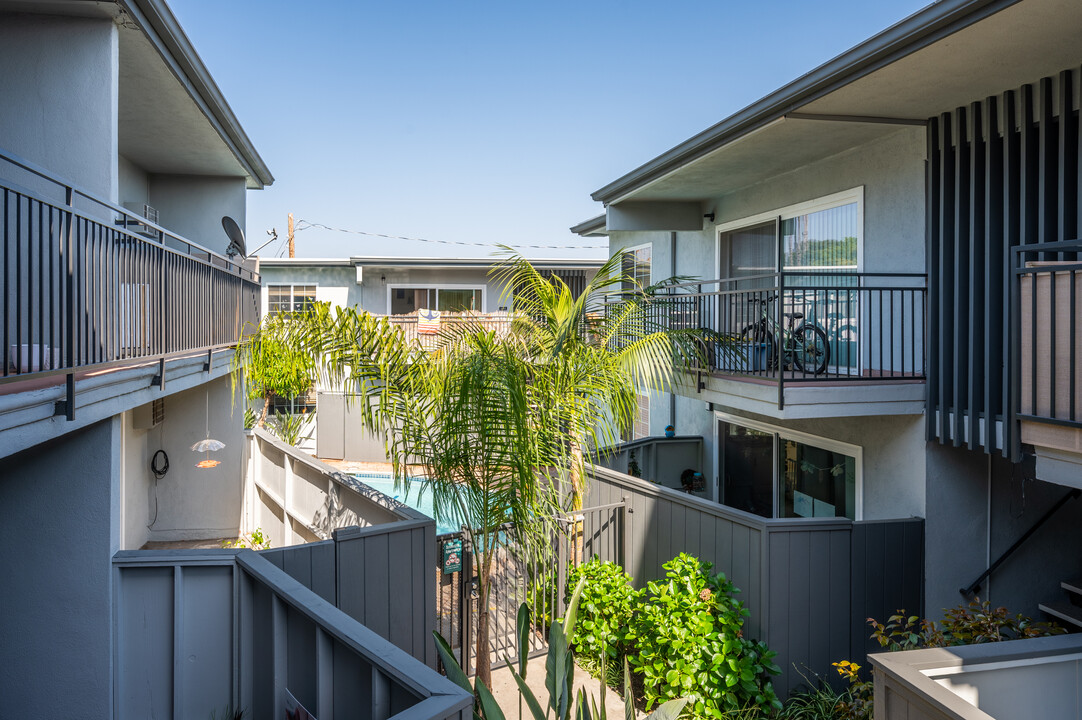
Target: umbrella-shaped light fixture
column 208, row 445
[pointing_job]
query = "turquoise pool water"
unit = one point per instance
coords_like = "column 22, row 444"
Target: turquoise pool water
column 413, row 497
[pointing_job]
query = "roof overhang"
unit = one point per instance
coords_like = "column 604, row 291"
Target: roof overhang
column 473, row 263
column 173, row 117
column 950, row 54
column 594, row 227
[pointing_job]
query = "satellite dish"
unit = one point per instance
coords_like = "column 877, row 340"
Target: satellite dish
column 236, row 237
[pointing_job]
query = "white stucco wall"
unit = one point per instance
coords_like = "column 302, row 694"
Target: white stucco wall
column 60, row 90
column 192, row 503
column 136, row 483
column 336, row 283
column 59, row 504
column 192, row 206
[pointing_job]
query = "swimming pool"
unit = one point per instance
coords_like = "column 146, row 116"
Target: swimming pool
column 414, row 498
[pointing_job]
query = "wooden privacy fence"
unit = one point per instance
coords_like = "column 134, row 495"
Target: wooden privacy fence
column 381, row 576
column 808, row 585
column 199, row 632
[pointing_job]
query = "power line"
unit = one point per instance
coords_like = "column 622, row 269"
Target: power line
column 306, row 225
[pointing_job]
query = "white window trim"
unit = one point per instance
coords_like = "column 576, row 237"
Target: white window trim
column 635, row 248
column 854, row 451
column 845, row 197
column 292, row 292
column 437, row 286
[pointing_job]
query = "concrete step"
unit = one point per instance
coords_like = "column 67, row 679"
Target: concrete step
column 1073, row 586
column 1063, row 610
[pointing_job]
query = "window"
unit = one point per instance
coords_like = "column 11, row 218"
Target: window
column 636, row 267
column 290, row 298
column 406, row 300
column 785, row 474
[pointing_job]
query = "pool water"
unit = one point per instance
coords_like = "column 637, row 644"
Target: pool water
column 414, row 498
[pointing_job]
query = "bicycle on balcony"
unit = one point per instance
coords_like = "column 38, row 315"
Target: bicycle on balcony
column 805, row 347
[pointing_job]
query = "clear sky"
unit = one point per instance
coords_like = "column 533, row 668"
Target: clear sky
column 489, row 122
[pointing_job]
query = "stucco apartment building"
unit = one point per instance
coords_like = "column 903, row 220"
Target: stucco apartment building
column 885, row 198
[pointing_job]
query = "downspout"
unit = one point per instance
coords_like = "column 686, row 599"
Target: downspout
column 672, row 273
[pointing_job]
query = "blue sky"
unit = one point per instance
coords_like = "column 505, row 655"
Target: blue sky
column 489, row 122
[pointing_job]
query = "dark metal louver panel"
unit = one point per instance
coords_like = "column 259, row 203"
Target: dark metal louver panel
column 1002, row 172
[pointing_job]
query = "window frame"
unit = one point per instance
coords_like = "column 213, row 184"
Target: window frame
column 854, row 451
column 631, row 250
column 391, row 287
column 788, row 212
column 292, row 295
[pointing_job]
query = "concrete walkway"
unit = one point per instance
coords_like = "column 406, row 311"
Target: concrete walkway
column 505, row 690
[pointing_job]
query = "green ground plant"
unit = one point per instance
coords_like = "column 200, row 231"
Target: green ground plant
column 688, row 640
column 608, row 602
column 966, row 624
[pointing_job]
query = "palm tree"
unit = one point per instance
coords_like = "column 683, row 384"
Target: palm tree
column 595, row 352
column 460, row 420
column 493, row 424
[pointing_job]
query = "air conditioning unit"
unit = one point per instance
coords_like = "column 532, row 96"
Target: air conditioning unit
column 144, row 211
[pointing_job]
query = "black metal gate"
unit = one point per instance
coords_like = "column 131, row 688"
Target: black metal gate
column 516, row 579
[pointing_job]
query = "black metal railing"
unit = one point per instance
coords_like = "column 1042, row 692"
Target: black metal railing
column 803, row 325
column 88, row 284
column 1047, row 352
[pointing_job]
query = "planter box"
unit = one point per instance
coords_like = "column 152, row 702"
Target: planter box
column 742, row 357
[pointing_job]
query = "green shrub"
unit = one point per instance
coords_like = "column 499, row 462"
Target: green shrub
column 608, row 600
column 688, row 641
column 977, row 622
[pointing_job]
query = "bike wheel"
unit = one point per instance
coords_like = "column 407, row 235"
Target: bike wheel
column 764, row 354
column 811, row 350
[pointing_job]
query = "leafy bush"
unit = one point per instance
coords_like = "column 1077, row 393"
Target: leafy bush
column 977, row 622
column 608, row 601
column 689, row 642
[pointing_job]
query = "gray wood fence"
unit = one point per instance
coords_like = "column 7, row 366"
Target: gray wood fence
column 383, row 576
column 808, row 585
column 197, row 632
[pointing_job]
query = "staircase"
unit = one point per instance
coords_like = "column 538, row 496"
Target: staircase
column 1067, row 611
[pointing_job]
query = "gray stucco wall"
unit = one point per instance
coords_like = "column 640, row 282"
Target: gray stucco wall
column 956, row 532
column 134, row 182
column 978, row 506
column 60, row 90
column 891, row 170
column 192, row 206
column 58, row 510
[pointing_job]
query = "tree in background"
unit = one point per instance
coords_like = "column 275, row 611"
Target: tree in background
column 269, row 365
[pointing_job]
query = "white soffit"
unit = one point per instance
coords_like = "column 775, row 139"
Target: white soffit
column 1018, row 45
column 778, row 148
column 161, row 128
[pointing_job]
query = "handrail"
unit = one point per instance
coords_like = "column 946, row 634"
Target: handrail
column 975, row 586
column 72, row 189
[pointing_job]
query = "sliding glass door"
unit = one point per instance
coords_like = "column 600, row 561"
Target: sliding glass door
column 784, row 474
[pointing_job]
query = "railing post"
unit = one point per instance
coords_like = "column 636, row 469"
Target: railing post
column 780, row 338
column 625, row 532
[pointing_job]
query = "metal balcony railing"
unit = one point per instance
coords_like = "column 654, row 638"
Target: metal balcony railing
column 803, row 326
column 1046, row 310
column 89, row 285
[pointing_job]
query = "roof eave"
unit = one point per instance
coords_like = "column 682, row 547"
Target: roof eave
column 924, row 27
column 593, row 226
column 162, row 28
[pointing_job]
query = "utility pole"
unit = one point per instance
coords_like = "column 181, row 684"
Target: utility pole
column 292, row 248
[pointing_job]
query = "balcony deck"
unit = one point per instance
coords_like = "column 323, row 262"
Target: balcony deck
column 805, row 344
column 100, row 304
